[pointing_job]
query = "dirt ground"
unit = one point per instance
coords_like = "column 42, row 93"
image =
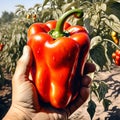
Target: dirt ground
column 111, row 78
column 5, row 96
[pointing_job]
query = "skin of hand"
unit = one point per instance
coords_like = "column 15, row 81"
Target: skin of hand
column 25, row 103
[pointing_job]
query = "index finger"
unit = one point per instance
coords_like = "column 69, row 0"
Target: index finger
column 89, row 68
column 23, row 65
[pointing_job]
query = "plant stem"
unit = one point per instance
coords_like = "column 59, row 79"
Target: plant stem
column 112, row 43
column 58, row 32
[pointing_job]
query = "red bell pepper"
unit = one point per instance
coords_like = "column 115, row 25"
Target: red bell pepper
column 60, row 52
column 1, row 46
column 116, row 57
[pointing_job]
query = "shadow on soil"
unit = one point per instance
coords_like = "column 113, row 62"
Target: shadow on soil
column 113, row 114
column 5, row 98
column 113, row 84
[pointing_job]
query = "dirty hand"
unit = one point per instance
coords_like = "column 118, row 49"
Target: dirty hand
column 25, row 104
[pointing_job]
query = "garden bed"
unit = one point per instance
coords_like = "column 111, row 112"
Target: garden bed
column 111, row 78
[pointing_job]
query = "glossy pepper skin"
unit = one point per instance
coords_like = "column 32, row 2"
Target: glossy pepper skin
column 59, row 58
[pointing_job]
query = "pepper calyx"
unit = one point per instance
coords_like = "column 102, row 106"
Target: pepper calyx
column 58, row 32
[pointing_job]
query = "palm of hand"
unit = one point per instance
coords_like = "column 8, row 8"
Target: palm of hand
column 25, row 103
column 25, row 100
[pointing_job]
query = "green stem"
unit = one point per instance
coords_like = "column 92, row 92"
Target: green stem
column 112, row 43
column 58, row 32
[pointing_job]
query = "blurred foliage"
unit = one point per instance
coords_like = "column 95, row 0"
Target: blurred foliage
column 6, row 17
column 1, row 77
column 100, row 18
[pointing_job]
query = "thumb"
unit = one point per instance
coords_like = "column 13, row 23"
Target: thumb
column 23, row 66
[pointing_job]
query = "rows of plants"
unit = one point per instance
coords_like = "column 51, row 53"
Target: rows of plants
column 101, row 19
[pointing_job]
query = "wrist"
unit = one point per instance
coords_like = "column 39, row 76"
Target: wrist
column 15, row 114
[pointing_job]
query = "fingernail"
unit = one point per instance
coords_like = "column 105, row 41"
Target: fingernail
column 25, row 50
column 27, row 54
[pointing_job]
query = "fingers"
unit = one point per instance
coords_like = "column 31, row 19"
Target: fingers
column 84, row 91
column 84, row 94
column 23, row 65
column 48, row 116
column 42, row 116
column 89, row 68
column 86, row 81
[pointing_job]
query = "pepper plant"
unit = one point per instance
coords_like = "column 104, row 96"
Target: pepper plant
column 101, row 17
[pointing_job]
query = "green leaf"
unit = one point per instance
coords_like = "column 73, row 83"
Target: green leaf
column 2, row 80
column 91, row 108
column 113, row 7
column 88, row 26
column 20, row 6
column 110, row 49
column 94, row 88
column 97, row 54
column 103, row 6
column 117, row 1
column 114, row 18
column 18, row 38
column 68, row 6
column 109, row 62
column 57, row 13
column 45, row 2
column 95, row 20
column 18, row 10
column 106, row 104
column 37, row 5
column 114, row 25
column 95, row 41
column 102, row 90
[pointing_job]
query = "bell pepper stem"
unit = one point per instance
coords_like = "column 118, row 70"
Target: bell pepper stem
column 58, row 32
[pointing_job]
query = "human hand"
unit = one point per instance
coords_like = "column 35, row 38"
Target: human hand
column 25, row 103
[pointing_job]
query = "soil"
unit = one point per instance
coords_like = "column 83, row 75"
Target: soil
column 111, row 78
column 5, row 97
